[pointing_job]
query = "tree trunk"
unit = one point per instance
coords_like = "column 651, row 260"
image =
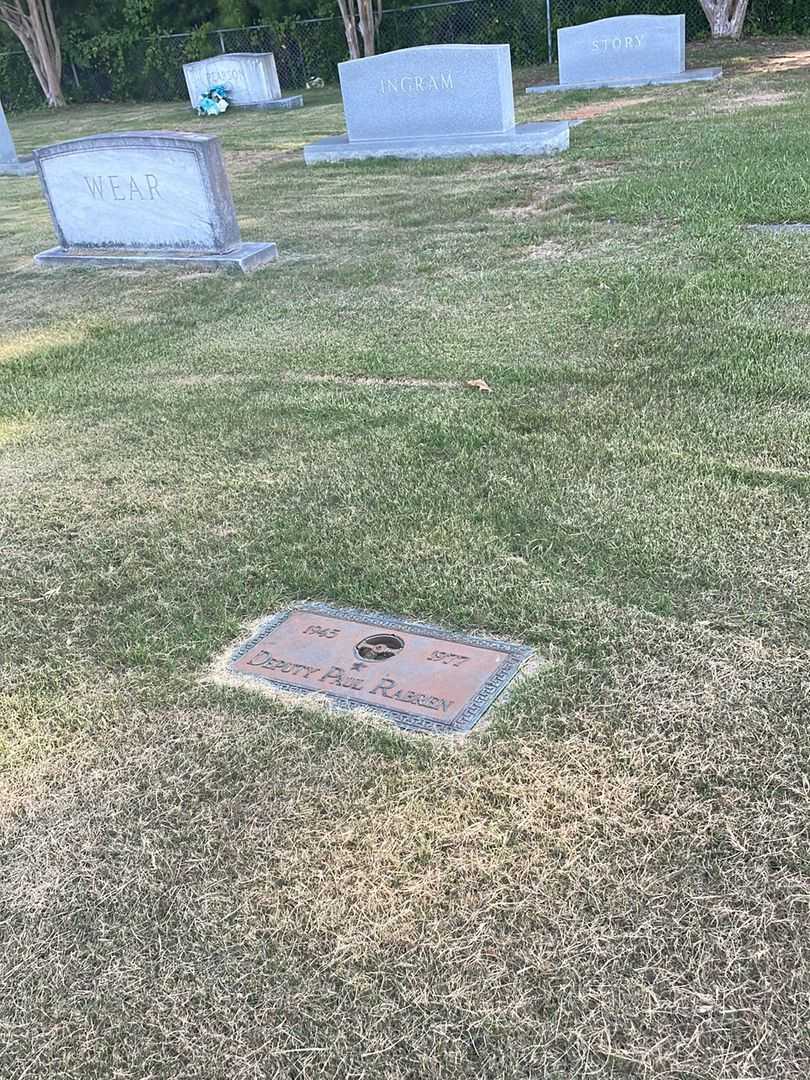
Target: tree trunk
column 726, row 17
column 367, row 15
column 367, row 27
column 33, row 23
column 349, row 15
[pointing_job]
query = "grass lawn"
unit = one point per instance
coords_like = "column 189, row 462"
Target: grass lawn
column 611, row 879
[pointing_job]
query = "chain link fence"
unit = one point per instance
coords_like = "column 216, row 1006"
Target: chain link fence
column 152, row 70
column 313, row 47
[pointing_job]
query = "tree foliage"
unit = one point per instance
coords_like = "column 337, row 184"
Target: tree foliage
column 118, row 50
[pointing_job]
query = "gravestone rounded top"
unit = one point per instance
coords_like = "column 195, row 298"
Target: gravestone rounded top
column 450, row 46
column 125, row 138
column 233, row 56
column 617, row 22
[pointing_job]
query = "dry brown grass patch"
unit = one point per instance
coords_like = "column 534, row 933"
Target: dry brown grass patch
column 224, row 378
column 369, row 380
column 738, row 102
column 601, row 108
column 793, row 61
column 622, row 886
column 240, row 161
column 211, row 378
column 543, row 206
column 550, row 250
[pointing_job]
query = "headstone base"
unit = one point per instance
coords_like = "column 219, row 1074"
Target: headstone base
column 244, row 258
column 296, row 101
column 526, row 140
column 696, row 75
column 23, row 166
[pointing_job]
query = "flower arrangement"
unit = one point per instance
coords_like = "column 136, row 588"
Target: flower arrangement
column 213, row 102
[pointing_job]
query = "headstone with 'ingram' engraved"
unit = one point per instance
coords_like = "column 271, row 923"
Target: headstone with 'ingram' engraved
column 433, row 101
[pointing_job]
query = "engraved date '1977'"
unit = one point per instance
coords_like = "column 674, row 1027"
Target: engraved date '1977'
column 454, row 659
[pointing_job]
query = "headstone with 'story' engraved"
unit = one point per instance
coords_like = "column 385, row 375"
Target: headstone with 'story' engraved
column 143, row 197
column 628, row 50
column 10, row 164
column 433, row 101
column 250, row 80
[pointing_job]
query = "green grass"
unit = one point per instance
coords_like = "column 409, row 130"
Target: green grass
column 611, row 880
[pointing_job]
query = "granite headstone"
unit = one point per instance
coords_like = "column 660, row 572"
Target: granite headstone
column 251, row 81
column 433, row 101
column 628, row 50
column 143, row 197
column 10, row 164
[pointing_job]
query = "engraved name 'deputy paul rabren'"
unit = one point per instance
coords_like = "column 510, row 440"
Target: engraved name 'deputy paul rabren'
column 335, row 678
column 417, row 84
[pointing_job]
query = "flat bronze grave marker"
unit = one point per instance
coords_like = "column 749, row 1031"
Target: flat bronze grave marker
column 422, row 677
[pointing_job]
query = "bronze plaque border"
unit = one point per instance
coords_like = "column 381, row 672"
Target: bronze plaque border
column 515, row 656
